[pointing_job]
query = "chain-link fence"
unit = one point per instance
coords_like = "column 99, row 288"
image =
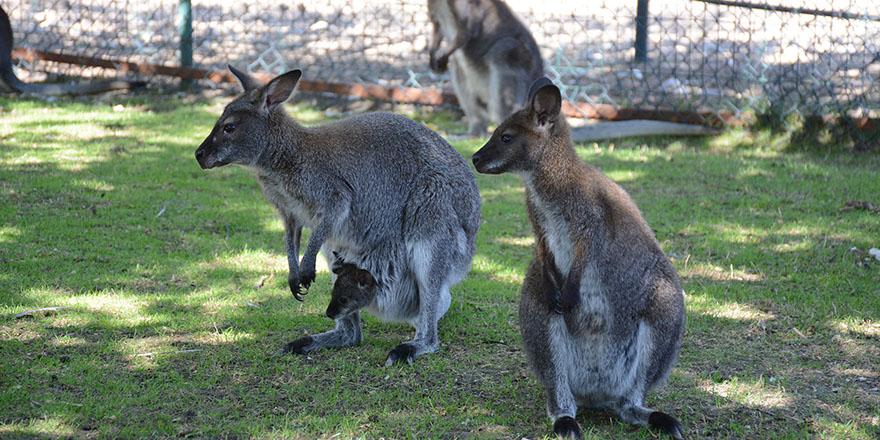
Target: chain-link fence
column 707, row 61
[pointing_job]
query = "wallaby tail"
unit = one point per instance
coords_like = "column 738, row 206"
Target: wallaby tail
column 619, row 129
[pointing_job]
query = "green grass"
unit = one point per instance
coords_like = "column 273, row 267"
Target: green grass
column 104, row 210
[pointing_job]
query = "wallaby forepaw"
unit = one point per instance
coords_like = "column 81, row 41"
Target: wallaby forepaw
column 299, row 346
column 306, row 278
column 567, row 427
column 295, row 288
column 403, row 352
column 439, row 65
column 666, row 424
column 570, row 296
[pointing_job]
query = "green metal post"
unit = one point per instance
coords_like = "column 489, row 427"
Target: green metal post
column 184, row 28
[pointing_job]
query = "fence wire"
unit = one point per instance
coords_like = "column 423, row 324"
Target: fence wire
column 723, row 61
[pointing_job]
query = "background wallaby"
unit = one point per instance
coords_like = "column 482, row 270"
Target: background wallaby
column 495, row 56
column 10, row 81
column 602, row 309
column 353, row 290
column 384, row 192
column 496, row 59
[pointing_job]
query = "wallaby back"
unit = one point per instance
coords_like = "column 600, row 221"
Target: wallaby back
column 602, row 310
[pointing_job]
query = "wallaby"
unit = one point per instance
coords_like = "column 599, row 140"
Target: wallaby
column 495, row 57
column 602, row 309
column 353, row 289
column 382, row 191
column 10, row 81
column 497, row 61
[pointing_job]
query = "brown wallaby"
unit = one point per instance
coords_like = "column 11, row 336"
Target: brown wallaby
column 383, row 192
column 10, row 81
column 353, row 289
column 602, row 309
column 495, row 57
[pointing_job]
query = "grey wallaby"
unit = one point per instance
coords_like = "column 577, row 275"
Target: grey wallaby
column 495, row 57
column 379, row 190
column 10, row 81
column 602, row 309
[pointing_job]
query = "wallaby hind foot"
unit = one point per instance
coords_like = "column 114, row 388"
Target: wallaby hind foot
column 567, row 428
column 666, row 424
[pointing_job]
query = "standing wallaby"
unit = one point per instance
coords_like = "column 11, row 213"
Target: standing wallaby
column 495, row 57
column 353, row 289
column 9, row 80
column 381, row 191
column 602, row 309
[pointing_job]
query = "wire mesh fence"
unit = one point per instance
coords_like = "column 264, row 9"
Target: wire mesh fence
column 709, row 61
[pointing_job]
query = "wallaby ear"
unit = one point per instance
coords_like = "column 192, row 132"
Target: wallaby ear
column 545, row 101
column 279, row 89
column 336, row 267
column 363, row 278
column 247, row 81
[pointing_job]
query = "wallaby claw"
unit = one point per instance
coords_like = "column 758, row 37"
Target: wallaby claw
column 298, row 292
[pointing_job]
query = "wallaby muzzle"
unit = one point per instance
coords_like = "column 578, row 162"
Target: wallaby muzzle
column 203, row 155
column 483, row 158
column 333, row 310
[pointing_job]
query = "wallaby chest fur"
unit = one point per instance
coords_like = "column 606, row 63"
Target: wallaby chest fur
column 378, row 190
column 602, row 309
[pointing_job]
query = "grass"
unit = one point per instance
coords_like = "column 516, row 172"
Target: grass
column 175, row 279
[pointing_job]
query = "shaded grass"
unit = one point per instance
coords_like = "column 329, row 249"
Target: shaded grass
column 106, row 211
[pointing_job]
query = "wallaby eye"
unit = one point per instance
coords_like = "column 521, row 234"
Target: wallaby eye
column 506, row 138
column 228, row 128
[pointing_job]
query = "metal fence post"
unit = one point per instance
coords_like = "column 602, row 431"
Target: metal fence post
column 642, row 31
column 184, row 29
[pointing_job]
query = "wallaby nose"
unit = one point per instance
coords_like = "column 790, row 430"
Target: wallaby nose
column 476, row 157
column 201, row 156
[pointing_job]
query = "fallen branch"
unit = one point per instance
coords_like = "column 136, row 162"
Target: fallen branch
column 43, row 309
column 619, row 129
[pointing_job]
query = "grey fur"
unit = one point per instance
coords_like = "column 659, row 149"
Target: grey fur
column 602, row 310
column 381, row 191
column 496, row 58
